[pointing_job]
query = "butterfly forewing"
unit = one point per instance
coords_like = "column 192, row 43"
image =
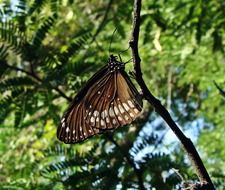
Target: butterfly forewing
column 109, row 100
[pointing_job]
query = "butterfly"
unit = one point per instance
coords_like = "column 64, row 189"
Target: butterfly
column 108, row 100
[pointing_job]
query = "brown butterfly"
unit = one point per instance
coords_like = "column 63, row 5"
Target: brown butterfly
column 108, row 100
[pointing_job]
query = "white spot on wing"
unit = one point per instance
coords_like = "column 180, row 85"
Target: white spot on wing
column 67, row 129
column 126, row 106
column 116, row 110
column 126, row 117
column 73, row 131
column 120, row 118
column 107, row 120
column 114, row 121
column 121, row 109
column 92, row 119
column 136, row 110
column 131, row 114
column 102, row 122
column 130, row 104
column 104, row 114
column 111, row 112
column 96, row 113
column 63, row 119
column 63, row 124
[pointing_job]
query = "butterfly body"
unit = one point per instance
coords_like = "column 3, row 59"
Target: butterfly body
column 108, row 100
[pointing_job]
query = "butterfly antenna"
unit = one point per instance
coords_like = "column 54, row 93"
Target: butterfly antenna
column 130, row 60
column 123, row 52
column 112, row 39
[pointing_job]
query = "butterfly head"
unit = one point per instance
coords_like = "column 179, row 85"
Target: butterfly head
column 114, row 64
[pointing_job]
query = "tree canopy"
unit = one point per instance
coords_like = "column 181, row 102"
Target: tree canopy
column 48, row 51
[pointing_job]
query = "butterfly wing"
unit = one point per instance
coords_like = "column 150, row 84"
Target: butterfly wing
column 70, row 127
column 108, row 101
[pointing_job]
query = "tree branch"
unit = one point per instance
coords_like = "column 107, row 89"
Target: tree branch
column 220, row 89
column 33, row 75
column 159, row 108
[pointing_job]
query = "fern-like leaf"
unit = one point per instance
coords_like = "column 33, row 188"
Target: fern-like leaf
column 145, row 141
column 4, row 103
column 60, row 166
column 10, row 33
column 76, row 44
column 3, row 52
column 5, row 11
column 19, row 111
column 21, row 7
column 54, row 6
column 40, row 34
column 37, row 5
column 17, row 82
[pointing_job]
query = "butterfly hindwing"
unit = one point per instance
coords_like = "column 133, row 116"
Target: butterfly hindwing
column 71, row 121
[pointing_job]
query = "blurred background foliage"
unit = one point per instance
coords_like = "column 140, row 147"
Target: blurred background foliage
column 49, row 49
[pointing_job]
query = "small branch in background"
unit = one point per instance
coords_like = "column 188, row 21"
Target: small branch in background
column 220, row 90
column 21, row 70
column 159, row 108
column 33, row 75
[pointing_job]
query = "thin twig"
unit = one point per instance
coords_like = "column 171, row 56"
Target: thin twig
column 33, row 75
column 159, row 108
column 220, row 89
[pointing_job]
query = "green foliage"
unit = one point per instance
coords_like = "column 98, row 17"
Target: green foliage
column 41, row 33
column 49, row 49
column 37, row 5
column 102, row 166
